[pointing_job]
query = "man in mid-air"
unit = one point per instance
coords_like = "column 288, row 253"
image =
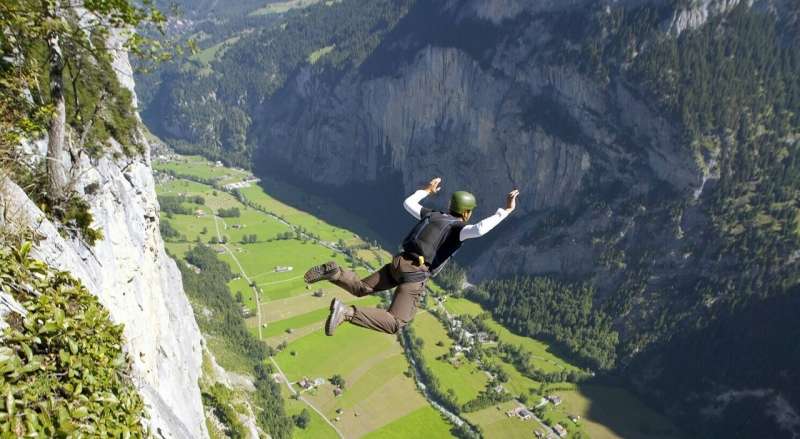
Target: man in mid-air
column 426, row 248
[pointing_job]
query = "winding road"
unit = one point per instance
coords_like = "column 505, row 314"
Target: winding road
column 249, row 282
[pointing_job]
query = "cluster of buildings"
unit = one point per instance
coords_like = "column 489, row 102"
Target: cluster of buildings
column 557, row 429
column 240, row 184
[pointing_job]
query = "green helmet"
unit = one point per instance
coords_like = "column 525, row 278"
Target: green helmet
column 461, row 202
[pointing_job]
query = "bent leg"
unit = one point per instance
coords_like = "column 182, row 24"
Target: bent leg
column 377, row 281
column 404, row 306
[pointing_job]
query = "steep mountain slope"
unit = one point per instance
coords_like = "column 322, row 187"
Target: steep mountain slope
column 655, row 144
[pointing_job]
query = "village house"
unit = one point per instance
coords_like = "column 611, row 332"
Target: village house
column 318, row 293
column 307, row 384
column 458, row 348
column 283, row 269
column 499, row 388
column 559, row 430
column 483, row 337
column 337, row 391
column 521, row 412
column 554, row 399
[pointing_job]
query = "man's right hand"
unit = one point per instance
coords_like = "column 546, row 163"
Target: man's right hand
column 511, row 200
column 433, row 185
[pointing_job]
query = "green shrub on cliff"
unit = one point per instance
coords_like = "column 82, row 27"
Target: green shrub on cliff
column 63, row 372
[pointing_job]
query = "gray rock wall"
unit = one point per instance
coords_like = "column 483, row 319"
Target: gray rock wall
column 131, row 274
column 129, row 271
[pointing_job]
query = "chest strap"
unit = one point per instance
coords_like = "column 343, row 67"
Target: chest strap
column 417, row 276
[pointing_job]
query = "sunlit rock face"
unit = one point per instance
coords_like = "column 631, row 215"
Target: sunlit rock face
column 129, row 271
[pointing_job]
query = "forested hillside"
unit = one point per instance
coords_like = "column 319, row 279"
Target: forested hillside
column 262, row 53
column 655, row 144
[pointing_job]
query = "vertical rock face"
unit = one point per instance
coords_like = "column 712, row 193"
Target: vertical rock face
column 131, row 274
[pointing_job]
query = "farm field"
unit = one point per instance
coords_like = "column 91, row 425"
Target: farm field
column 285, row 6
column 497, row 425
column 607, row 413
column 200, row 167
column 424, row 422
column 317, row 428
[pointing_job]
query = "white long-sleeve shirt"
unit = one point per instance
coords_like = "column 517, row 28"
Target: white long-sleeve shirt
column 413, row 206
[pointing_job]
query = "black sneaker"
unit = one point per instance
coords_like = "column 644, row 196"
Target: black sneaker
column 336, row 317
column 326, row 271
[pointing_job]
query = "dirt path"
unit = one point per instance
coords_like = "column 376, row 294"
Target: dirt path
column 249, row 282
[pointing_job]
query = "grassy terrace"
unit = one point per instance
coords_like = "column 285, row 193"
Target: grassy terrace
column 282, row 7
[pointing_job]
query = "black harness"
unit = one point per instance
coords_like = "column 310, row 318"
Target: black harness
column 431, row 243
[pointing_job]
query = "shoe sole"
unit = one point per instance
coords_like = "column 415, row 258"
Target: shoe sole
column 331, row 315
column 320, row 272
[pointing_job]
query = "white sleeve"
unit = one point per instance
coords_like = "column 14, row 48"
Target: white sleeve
column 411, row 204
column 477, row 230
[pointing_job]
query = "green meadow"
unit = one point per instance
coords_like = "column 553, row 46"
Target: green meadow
column 424, row 422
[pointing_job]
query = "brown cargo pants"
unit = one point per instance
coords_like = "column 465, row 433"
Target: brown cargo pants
column 406, row 296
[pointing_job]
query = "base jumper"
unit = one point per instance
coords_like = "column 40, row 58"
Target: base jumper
column 435, row 237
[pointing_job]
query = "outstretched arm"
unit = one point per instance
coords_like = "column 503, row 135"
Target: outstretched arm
column 484, row 226
column 411, row 204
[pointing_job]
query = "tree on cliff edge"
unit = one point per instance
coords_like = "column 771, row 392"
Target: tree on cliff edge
column 64, row 33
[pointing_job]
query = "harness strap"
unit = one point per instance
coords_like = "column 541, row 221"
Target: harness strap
column 417, row 276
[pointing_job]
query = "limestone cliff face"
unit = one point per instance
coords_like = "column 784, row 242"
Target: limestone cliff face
column 134, row 278
column 131, row 274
